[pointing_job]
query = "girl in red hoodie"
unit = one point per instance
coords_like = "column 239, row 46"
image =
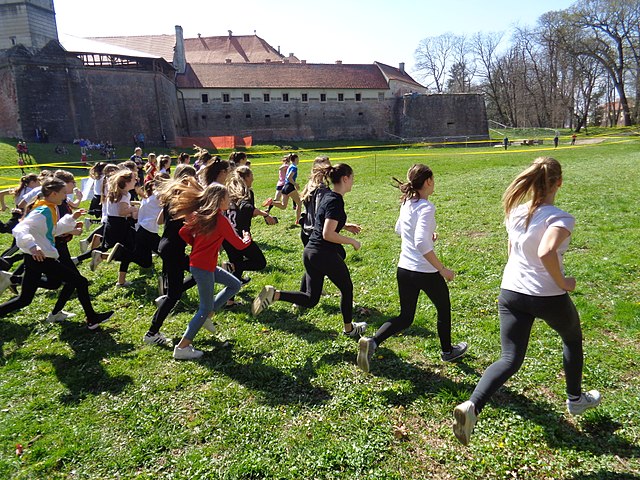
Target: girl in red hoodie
column 205, row 228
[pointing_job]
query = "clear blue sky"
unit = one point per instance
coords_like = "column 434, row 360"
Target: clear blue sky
column 354, row 31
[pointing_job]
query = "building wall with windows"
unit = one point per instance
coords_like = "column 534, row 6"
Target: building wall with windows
column 289, row 114
column 31, row 23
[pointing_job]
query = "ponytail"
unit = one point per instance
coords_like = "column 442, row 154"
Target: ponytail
column 535, row 183
column 416, row 176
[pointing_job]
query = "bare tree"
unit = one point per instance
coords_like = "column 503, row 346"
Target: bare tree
column 433, row 56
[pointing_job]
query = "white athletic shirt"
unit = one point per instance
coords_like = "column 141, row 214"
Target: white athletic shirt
column 112, row 208
column 524, row 272
column 150, row 208
column 97, row 185
column 416, row 225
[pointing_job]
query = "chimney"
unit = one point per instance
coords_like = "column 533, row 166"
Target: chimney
column 230, row 33
column 267, row 60
column 338, row 62
column 285, row 60
column 401, row 67
column 303, row 61
column 227, row 60
column 179, row 56
column 278, row 49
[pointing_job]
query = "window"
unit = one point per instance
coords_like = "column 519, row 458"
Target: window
column 380, row 96
column 246, row 97
column 266, row 97
column 285, row 97
column 286, row 115
column 305, row 97
column 227, row 117
column 248, row 115
column 13, row 40
column 341, row 97
column 226, row 97
column 323, row 97
column 267, row 116
column 205, row 98
column 358, row 97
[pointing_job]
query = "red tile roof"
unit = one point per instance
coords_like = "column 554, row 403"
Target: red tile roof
column 393, row 73
column 282, row 75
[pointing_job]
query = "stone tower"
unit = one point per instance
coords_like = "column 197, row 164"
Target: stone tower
column 31, row 23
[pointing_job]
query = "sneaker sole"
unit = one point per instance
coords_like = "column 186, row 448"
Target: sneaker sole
column 460, row 427
column 363, row 356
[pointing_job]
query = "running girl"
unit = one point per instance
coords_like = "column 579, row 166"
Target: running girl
column 533, row 286
column 290, row 188
column 419, row 269
column 324, row 255
column 205, row 228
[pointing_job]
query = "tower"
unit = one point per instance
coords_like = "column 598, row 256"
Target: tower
column 31, row 23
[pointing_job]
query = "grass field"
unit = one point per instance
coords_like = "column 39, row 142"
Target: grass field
column 284, row 399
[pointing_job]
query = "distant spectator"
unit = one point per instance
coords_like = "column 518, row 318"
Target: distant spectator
column 573, row 139
column 505, row 142
column 556, row 140
column 141, row 140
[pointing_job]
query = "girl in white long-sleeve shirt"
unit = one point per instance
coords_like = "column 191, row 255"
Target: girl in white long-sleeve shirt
column 418, row 269
column 35, row 237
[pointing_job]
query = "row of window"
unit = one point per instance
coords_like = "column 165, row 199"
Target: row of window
column 266, row 97
column 248, row 115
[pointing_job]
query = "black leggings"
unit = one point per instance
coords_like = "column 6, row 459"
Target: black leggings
column 517, row 313
column 327, row 263
column 175, row 263
column 56, row 273
column 250, row 259
column 146, row 243
column 409, row 286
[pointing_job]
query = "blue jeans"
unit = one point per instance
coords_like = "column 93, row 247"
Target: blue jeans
column 205, row 281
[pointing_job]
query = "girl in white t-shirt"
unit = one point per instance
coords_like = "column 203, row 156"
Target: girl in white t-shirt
column 533, row 286
column 419, row 269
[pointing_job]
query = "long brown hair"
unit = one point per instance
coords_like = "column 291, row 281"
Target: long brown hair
column 117, row 182
column 197, row 205
column 416, row 176
column 25, row 180
column 237, row 184
column 317, row 178
column 534, row 183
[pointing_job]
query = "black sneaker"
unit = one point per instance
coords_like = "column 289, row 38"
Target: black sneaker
column 98, row 318
column 456, row 352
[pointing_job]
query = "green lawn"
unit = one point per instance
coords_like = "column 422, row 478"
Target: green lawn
column 284, row 399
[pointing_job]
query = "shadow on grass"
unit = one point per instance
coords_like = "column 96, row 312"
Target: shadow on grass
column 83, row 372
column 9, row 332
column 597, row 435
column 291, row 323
column 277, row 388
column 604, row 475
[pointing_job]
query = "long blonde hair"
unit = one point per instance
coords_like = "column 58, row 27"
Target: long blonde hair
column 237, row 184
column 197, row 205
column 534, row 183
column 317, row 178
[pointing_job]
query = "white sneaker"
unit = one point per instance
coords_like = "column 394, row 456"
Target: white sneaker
column 357, row 330
column 60, row 316
column 465, row 415
column 159, row 300
column 114, row 252
column 263, row 300
column 123, row 285
column 209, row 325
column 84, row 245
column 157, row 339
column 96, row 259
column 87, row 224
column 186, row 353
column 587, row 400
column 5, row 280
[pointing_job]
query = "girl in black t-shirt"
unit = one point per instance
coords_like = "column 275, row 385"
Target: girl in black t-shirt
column 241, row 211
column 324, row 255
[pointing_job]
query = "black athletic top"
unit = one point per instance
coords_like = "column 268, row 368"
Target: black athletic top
column 310, row 208
column 171, row 241
column 240, row 214
column 331, row 207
